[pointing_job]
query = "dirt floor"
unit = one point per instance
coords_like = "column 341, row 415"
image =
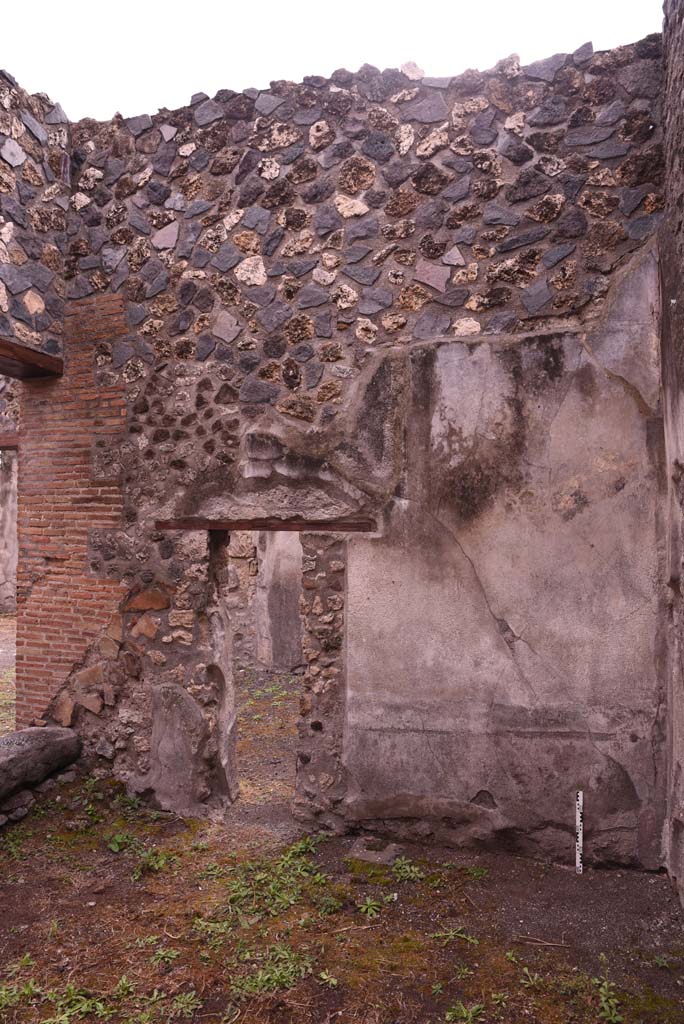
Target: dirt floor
column 8, row 625
column 268, row 711
column 112, row 911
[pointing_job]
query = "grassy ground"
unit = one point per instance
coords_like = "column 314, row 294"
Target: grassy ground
column 7, row 698
column 113, row 912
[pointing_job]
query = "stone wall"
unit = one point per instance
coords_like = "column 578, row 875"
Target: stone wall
column 672, row 247
column 240, row 594
column 9, row 405
column 8, row 532
column 402, row 305
column 34, row 200
column 276, row 609
column 9, row 408
column 280, row 239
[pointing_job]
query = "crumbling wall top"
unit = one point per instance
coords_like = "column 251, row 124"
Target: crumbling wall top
column 34, row 199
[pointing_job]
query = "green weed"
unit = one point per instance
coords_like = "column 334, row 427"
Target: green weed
column 278, row 967
column 370, row 907
column 404, row 870
column 124, row 988
column 449, row 934
column 530, row 979
column 153, row 861
column 164, row 956
column 12, row 842
column 477, row 873
column 214, row 933
column 609, row 1006
column 23, row 963
column 123, row 842
column 185, row 1005
column 262, row 888
column 467, row 1014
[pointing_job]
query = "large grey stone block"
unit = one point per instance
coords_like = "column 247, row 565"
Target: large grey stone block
column 30, row 755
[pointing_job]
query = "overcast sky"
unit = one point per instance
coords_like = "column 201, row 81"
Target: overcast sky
column 134, row 56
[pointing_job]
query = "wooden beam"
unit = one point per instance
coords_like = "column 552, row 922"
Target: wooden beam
column 25, row 363
column 9, row 439
column 294, row 524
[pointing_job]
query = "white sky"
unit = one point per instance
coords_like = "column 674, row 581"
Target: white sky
column 135, row 56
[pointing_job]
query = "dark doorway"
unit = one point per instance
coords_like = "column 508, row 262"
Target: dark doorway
column 260, row 599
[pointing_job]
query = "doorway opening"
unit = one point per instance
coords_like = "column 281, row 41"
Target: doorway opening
column 259, row 662
column 263, row 607
column 8, row 587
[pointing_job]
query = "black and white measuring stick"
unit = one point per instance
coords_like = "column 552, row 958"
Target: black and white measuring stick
column 579, row 832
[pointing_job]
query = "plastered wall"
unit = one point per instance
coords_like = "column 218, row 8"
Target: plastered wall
column 425, row 308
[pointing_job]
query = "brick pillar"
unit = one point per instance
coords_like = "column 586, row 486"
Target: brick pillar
column 61, row 606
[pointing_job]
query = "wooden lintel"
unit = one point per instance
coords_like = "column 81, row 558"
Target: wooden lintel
column 9, row 439
column 25, row 363
column 271, row 524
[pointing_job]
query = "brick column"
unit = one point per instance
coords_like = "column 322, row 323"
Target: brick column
column 61, row 606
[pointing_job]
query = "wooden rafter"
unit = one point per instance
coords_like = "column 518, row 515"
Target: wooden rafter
column 294, row 524
column 25, row 363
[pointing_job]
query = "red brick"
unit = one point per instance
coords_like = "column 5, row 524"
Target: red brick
column 61, row 606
